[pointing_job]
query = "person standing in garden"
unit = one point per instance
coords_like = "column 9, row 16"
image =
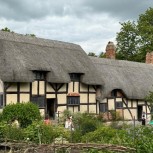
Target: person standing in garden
column 143, row 118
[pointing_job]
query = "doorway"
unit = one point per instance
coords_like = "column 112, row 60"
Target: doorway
column 51, row 108
column 139, row 113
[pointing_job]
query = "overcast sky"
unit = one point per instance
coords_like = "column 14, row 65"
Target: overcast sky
column 89, row 23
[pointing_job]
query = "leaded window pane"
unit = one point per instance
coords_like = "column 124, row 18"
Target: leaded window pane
column 103, row 107
column 73, row 100
column 1, row 100
column 38, row 100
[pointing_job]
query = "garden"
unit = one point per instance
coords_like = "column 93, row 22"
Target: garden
column 89, row 130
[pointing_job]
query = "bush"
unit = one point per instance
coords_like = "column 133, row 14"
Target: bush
column 7, row 132
column 25, row 113
column 85, row 122
column 38, row 132
column 115, row 116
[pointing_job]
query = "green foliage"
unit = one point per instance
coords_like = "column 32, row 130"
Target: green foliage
column 135, row 38
column 7, row 132
column 32, row 35
column 85, row 122
column 39, row 132
column 102, row 55
column 149, row 100
column 102, row 134
column 25, row 113
column 92, row 54
column 6, row 29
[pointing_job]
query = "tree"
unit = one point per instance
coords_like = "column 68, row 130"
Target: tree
column 32, row 35
column 6, row 29
column 135, row 38
column 92, row 54
column 102, row 55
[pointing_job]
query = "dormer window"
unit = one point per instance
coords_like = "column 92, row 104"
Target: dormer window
column 40, row 75
column 116, row 93
column 75, row 76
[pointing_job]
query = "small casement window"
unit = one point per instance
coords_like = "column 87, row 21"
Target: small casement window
column 151, row 110
column 1, row 100
column 40, row 75
column 119, row 104
column 39, row 101
column 114, row 93
column 75, row 76
column 73, row 100
column 103, row 107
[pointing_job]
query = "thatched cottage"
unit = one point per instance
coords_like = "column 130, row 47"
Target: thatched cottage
column 58, row 75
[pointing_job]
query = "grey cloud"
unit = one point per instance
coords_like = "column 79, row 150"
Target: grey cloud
column 124, row 9
column 30, row 9
column 35, row 9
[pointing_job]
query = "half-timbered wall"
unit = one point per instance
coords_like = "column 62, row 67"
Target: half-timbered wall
column 55, row 97
column 53, row 93
column 127, row 108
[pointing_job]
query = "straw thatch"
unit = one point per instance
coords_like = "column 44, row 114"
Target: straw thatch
column 133, row 78
column 20, row 55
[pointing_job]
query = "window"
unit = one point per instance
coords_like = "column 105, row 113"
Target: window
column 119, row 104
column 1, row 100
column 40, row 75
column 75, row 76
column 114, row 93
column 38, row 100
column 151, row 111
column 103, row 107
column 73, row 100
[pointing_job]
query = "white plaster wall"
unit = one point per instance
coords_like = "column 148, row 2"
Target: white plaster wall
column 50, row 96
column 111, row 105
column 41, row 87
column 91, row 89
column 11, row 98
column 1, row 86
column 83, row 98
column 62, row 98
column 76, row 85
column 49, row 88
column 129, row 103
column 24, row 87
column 83, row 108
column 83, row 87
column 42, row 112
column 134, row 103
column 63, row 88
column 70, row 87
column 13, row 87
column 34, row 87
column 24, row 97
column 92, row 98
column 61, row 108
column 92, row 108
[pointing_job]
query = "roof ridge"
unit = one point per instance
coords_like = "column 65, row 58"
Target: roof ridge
column 112, row 61
column 21, row 38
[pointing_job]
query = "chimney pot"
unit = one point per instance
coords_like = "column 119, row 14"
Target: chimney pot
column 110, row 50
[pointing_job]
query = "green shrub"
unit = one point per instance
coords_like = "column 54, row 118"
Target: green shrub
column 7, row 132
column 85, row 122
column 38, row 132
column 115, row 116
column 25, row 113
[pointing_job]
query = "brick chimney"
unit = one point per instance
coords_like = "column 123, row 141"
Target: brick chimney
column 110, row 50
column 149, row 58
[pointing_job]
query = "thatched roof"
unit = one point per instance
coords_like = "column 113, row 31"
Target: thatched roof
column 20, row 55
column 133, row 78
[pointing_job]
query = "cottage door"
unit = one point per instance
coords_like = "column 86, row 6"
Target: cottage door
column 139, row 113
column 51, row 107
